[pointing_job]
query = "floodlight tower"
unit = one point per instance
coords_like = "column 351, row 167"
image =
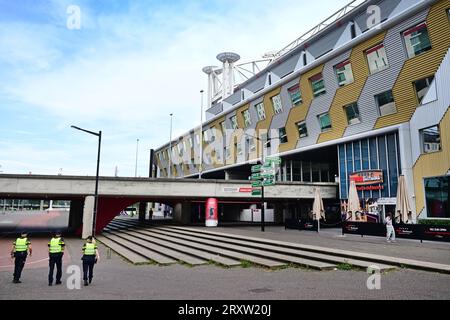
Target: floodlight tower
column 228, row 59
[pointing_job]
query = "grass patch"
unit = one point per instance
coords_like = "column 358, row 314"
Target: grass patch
column 345, row 266
column 247, row 264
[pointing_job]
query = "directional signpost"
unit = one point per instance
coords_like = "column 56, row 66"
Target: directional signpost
column 264, row 176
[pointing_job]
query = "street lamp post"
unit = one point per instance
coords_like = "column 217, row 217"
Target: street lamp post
column 99, row 135
column 201, row 136
column 137, row 149
column 170, row 147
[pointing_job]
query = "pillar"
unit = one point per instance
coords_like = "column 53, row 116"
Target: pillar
column 182, row 212
column 142, row 210
column 88, row 216
column 75, row 215
column 41, row 205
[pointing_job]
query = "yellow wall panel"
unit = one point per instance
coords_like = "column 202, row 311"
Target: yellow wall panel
column 298, row 113
column 432, row 164
column 351, row 92
column 419, row 67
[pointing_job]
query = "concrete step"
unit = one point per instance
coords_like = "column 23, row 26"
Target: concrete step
column 139, row 243
column 145, row 252
column 245, row 250
column 282, row 250
column 403, row 262
column 122, row 251
column 183, row 247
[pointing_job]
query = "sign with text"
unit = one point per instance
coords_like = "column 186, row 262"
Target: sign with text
column 367, row 177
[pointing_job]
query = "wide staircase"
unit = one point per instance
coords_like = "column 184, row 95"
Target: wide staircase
column 144, row 243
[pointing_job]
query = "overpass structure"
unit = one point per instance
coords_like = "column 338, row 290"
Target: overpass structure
column 116, row 194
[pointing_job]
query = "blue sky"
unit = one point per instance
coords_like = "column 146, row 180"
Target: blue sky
column 129, row 65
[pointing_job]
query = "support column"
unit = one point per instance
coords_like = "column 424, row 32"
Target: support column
column 75, row 215
column 404, row 138
column 142, row 210
column 41, row 205
column 182, row 212
column 88, row 216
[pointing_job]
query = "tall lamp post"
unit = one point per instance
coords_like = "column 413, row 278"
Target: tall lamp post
column 137, row 149
column 201, row 135
column 170, row 147
column 99, row 135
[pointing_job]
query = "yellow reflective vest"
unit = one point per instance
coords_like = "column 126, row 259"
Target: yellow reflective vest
column 21, row 245
column 89, row 249
column 55, row 245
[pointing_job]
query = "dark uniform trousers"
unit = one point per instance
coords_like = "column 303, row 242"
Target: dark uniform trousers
column 88, row 265
column 19, row 263
column 55, row 259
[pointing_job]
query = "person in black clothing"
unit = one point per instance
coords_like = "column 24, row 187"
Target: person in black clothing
column 19, row 252
column 90, row 257
column 55, row 253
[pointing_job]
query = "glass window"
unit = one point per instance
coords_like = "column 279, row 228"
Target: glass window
column 357, row 155
column 324, row 121
column 306, row 169
column 344, row 73
column 365, row 154
column 318, row 85
column 377, row 59
column 288, row 170
column 352, row 113
column 247, row 120
column 421, row 86
column 266, row 138
column 233, row 121
column 276, row 103
column 296, row 170
column 385, row 102
column 251, row 145
column 448, row 14
column 295, row 94
column 316, row 172
column 283, row 135
column 431, row 139
column 261, row 113
column 417, row 40
column 342, row 175
column 437, row 197
column 392, row 161
column 302, row 130
column 383, row 164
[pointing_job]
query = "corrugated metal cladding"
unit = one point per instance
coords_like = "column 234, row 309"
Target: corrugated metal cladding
column 322, row 104
column 432, row 164
column 279, row 120
column 214, row 110
column 234, row 98
column 430, row 114
column 419, row 67
column 383, row 80
column 286, row 67
column 256, row 84
column 374, row 153
column 386, row 8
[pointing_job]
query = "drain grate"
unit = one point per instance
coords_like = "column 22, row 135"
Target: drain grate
column 261, row 290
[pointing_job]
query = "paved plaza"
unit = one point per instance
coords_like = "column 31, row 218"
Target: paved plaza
column 116, row 278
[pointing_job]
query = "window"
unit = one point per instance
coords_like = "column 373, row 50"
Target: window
column 324, row 121
column 276, row 103
column 302, row 130
column 318, row 85
column 295, row 94
column 385, row 102
column 344, row 73
column 437, row 197
column 266, row 139
column 261, row 113
column 421, row 86
column 282, row 135
column 251, row 144
column 377, row 59
column 417, row 40
column 247, row 120
column 352, row 113
column 238, row 149
column 233, row 121
column 431, row 139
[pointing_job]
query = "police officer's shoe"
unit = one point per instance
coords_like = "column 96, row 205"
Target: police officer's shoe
column 90, row 280
column 58, row 282
column 50, row 284
column 17, row 281
column 86, row 283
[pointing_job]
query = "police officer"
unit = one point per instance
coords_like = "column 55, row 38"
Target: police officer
column 55, row 253
column 20, row 249
column 90, row 257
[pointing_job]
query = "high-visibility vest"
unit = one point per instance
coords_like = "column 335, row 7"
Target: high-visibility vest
column 21, row 245
column 89, row 249
column 55, row 245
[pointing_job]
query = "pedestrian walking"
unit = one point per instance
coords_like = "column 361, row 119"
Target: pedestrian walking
column 90, row 257
column 55, row 253
column 20, row 249
column 390, row 232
